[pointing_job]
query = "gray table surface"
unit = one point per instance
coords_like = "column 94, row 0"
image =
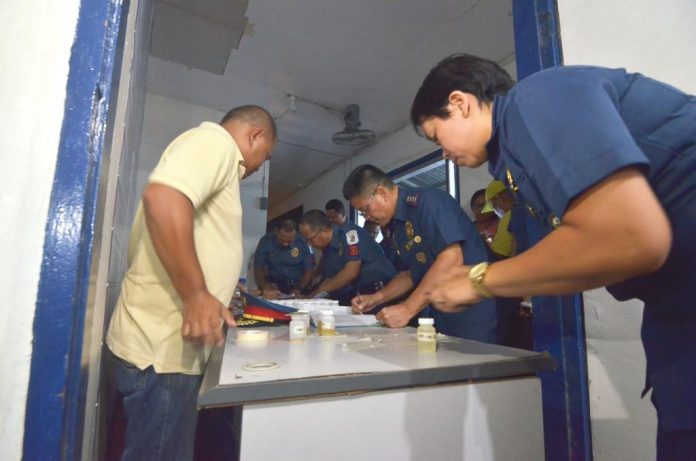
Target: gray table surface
column 356, row 360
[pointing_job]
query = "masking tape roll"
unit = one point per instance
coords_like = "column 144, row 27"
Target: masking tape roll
column 252, row 336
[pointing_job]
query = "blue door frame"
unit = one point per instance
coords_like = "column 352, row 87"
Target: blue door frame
column 55, row 398
column 559, row 323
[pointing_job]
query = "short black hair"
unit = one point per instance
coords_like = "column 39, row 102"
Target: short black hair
column 475, row 195
column 464, row 72
column 316, row 220
column 335, row 205
column 363, row 180
column 253, row 115
column 288, row 225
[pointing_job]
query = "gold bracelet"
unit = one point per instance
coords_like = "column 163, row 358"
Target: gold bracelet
column 476, row 275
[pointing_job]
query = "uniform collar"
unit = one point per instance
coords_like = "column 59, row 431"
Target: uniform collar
column 401, row 207
column 335, row 238
column 493, row 145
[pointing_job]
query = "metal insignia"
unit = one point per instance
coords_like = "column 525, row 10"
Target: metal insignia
column 511, row 180
column 417, row 239
column 555, row 221
column 409, row 230
column 421, row 258
column 295, row 252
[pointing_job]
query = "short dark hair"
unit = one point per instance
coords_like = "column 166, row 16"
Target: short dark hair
column 475, row 195
column 478, row 76
column 363, row 180
column 253, row 115
column 288, row 225
column 335, row 205
column 316, row 220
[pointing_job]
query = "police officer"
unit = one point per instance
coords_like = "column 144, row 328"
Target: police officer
column 353, row 263
column 608, row 158
column 432, row 235
column 283, row 262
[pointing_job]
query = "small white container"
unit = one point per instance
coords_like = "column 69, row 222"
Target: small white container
column 327, row 323
column 427, row 341
column 298, row 327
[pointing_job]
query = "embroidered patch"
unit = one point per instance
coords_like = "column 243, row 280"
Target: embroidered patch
column 412, row 199
column 409, row 230
column 352, row 237
column 353, row 250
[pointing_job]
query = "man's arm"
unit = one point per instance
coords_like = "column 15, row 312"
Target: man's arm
column 169, row 218
column 305, row 280
column 350, row 272
column 399, row 285
column 399, row 315
column 613, row 231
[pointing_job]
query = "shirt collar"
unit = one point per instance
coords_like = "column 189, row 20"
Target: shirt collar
column 400, row 212
column 335, row 238
column 238, row 154
column 493, row 145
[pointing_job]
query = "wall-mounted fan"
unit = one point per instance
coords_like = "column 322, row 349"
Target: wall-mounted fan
column 352, row 135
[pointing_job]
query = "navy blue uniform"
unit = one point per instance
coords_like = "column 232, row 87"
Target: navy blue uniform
column 427, row 220
column 353, row 243
column 561, row 131
column 284, row 265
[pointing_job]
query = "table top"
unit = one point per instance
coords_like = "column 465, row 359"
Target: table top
column 355, row 360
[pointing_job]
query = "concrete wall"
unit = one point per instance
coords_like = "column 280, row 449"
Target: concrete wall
column 655, row 38
column 35, row 43
column 165, row 118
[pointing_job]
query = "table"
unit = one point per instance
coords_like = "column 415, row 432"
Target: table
column 368, row 392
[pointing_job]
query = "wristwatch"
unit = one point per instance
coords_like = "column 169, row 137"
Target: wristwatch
column 476, row 275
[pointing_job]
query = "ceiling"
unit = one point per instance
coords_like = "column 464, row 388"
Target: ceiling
column 306, row 60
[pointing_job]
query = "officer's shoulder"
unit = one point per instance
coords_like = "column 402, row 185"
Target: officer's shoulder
column 415, row 198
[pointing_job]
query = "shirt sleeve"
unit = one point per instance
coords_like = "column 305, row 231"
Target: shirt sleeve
column 307, row 256
column 443, row 219
column 261, row 254
column 198, row 164
column 567, row 133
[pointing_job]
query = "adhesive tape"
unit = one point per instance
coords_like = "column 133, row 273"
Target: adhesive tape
column 252, row 336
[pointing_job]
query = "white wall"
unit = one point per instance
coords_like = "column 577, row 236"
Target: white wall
column 657, row 39
column 165, row 118
column 35, row 43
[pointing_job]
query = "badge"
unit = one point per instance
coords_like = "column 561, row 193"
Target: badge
column 511, row 180
column 352, row 237
column 417, row 239
column 409, row 230
column 295, row 252
column 353, row 250
column 412, row 199
column 421, row 258
column 555, row 221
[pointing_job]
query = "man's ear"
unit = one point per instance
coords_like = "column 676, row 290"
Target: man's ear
column 256, row 135
column 458, row 100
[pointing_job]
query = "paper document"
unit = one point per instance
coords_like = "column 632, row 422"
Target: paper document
column 349, row 320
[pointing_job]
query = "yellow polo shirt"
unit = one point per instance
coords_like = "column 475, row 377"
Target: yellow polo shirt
column 204, row 164
column 502, row 242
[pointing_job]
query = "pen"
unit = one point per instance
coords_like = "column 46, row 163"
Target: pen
column 360, row 301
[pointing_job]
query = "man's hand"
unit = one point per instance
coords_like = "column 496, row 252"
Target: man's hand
column 270, row 293
column 455, row 293
column 204, row 316
column 365, row 303
column 395, row 316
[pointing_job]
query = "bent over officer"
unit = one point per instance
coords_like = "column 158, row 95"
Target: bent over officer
column 353, row 264
column 432, row 235
column 283, row 261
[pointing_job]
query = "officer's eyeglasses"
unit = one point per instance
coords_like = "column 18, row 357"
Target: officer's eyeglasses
column 364, row 210
column 309, row 239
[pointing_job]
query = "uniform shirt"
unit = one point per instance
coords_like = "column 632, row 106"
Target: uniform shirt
column 205, row 165
column 284, row 264
column 355, row 244
column 426, row 221
column 561, row 131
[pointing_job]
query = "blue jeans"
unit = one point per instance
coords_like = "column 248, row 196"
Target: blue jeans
column 160, row 410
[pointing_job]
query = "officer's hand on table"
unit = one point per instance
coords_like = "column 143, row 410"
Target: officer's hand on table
column 204, row 316
column 455, row 293
column 365, row 303
column 395, row 316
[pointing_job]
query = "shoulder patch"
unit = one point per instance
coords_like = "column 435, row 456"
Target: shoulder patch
column 412, row 199
column 352, row 237
column 353, row 250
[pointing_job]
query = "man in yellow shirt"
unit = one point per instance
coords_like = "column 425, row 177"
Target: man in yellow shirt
column 499, row 200
column 184, row 257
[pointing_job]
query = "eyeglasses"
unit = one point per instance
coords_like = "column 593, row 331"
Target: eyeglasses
column 309, row 239
column 364, row 210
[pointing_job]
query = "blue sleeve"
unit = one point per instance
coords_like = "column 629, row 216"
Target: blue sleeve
column 444, row 220
column 307, row 256
column 568, row 134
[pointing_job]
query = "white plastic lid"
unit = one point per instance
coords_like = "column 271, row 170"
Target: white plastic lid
column 426, row 321
column 326, row 312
